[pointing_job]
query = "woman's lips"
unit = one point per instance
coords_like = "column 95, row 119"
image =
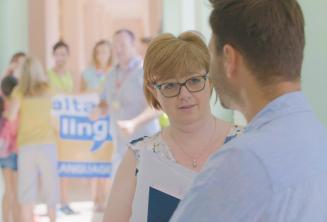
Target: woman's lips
column 186, row 107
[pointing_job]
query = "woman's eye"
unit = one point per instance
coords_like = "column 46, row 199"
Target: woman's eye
column 194, row 80
column 169, row 86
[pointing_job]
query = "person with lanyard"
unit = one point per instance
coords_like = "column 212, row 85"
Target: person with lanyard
column 123, row 99
column 276, row 171
column 61, row 82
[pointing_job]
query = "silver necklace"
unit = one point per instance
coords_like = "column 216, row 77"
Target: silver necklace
column 195, row 159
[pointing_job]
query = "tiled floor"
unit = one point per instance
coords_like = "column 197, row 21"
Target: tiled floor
column 84, row 213
column 80, row 196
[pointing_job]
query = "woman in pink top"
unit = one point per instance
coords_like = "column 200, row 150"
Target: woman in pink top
column 8, row 154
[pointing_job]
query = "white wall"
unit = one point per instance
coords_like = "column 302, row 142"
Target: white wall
column 314, row 73
column 13, row 29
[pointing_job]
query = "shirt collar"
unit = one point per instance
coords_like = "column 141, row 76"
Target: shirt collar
column 286, row 104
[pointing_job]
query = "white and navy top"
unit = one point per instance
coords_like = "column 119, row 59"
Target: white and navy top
column 162, row 161
column 159, row 147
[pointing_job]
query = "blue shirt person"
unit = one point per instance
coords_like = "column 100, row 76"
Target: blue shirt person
column 277, row 170
column 123, row 99
column 123, row 91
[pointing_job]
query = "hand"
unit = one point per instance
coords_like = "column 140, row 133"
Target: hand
column 126, row 128
column 95, row 114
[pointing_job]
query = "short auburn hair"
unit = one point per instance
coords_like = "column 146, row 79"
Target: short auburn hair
column 268, row 33
column 170, row 57
column 128, row 32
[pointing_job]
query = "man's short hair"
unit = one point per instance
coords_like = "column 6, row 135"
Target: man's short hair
column 60, row 44
column 269, row 34
column 128, row 32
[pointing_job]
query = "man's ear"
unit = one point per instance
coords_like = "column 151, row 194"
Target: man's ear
column 230, row 55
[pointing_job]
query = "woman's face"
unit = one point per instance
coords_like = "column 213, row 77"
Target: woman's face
column 187, row 106
column 61, row 56
column 102, row 54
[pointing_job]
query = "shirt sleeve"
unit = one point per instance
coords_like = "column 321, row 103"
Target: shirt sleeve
column 233, row 187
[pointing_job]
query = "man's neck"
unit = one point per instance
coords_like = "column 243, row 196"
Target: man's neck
column 256, row 98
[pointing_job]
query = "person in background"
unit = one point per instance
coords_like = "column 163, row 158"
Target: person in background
column 31, row 105
column 15, row 63
column 176, row 81
column 60, row 79
column 93, row 79
column 277, row 169
column 61, row 82
column 94, row 76
column 8, row 154
column 123, row 99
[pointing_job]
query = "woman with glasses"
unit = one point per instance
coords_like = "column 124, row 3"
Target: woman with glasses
column 176, row 81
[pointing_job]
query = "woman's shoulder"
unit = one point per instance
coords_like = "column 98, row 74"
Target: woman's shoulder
column 142, row 143
column 153, row 144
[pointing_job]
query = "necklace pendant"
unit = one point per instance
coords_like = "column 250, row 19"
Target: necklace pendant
column 194, row 163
